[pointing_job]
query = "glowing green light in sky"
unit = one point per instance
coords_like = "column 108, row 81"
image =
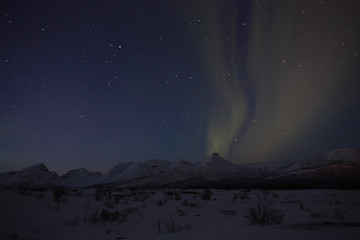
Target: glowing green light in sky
column 228, row 104
column 296, row 62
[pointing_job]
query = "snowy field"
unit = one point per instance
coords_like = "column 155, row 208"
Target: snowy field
column 180, row 214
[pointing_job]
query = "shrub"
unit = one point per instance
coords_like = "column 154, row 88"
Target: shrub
column 13, row 236
column 263, row 214
column 114, row 216
column 322, row 215
column 301, row 206
column 338, row 214
column 23, row 187
column 190, row 204
column 99, row 194
column 188, row 225
column 131, row 211
column 57, row 195
column 180, row 212
column 207, row 194
column 105, row 215
column 40, row 195
column 235, row 197
column 71, row 222
column 109, row 204
column 123, row 216
column 242, row 196
column 171, row 227
column 174, row 195
column 94, row 218
column 158, row 225
column 178, row 196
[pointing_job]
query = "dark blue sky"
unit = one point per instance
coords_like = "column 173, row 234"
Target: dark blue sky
column 95, row 83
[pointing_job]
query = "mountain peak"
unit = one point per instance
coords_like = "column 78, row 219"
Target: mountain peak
column 76, row 172
column 157, row 164
column 344, row 154
column 215, row 157
column 181, row 163
column 119, row 168
column 37, row 167
column 215, row 161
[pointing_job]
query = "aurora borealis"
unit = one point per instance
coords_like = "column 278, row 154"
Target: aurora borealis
column 301, row 66
column 229, row 103
column 92, row 84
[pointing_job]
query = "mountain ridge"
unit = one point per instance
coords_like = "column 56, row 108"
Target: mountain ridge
column 339, row 167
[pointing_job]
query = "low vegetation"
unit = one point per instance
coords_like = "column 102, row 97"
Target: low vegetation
column 171, row 226
column 264, row 214
column 172, row 210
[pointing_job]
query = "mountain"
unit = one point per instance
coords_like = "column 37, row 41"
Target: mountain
column 130, row 170
column 217, row 165
column 33, row 177
column 212, row 171
column 79, row 177
column 343, row 154
column 115, row 174
column 181, row 164
column 337, row 168
column 119, row 168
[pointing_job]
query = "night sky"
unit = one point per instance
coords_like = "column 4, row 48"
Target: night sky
column 96, row 83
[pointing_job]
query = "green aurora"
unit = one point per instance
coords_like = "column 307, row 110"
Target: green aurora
column 297, row 64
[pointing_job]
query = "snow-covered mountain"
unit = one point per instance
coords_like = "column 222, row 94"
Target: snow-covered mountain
column 339, row 167
column 36, row 176
column 213, row 170
column 181, row 163
column 80, row 177
column 335, row 157
column 116, row 173
column 130, row 170
column 343, row 154
column 217, row 165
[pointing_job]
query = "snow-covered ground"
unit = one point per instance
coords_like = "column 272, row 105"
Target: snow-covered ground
column 178, row 214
